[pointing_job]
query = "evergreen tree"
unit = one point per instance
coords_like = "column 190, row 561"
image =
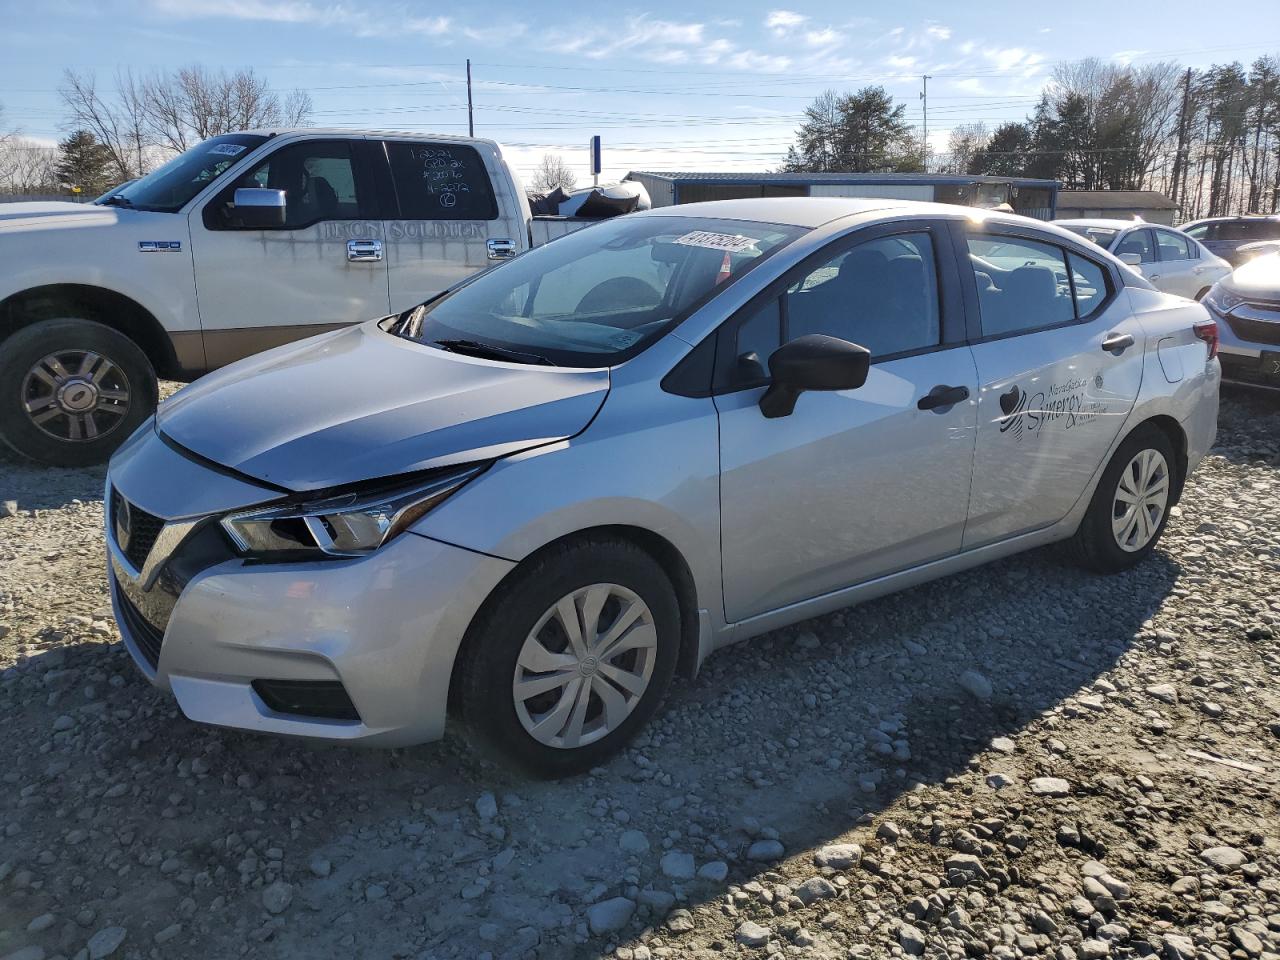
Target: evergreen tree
column 84, row 162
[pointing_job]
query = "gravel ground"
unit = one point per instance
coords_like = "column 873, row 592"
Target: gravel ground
column 1018, row 761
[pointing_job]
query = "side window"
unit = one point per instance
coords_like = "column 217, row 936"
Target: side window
column 1173, row 246
column 1022, row 284
column 1204, row 231
column 317, row 176
column 1139, row 242
column 438, row 181
column 882, row 294
column 1089, row 282
column 755, row 340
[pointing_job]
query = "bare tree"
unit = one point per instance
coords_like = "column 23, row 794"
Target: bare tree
column 175, row 111
column 27, row 166
column 966, row 141
column 552, row 171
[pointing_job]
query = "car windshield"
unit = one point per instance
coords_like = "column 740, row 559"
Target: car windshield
column 598, row 296
column 169, row 188
column 1102, row 236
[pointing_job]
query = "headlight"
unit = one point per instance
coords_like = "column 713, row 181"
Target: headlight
column 1221, row 299
column 348, row 525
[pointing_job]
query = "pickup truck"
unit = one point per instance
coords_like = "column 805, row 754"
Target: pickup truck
column 245, row 242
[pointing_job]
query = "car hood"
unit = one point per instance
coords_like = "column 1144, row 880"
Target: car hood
column 1258, row 278
column 360, row 404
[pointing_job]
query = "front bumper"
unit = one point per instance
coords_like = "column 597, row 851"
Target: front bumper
column 387, row 627
column 382, row 630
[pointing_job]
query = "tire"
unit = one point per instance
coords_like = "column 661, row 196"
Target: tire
column 1200, row 295
column 497, row 653
column 1110, row 539
column 72, row 391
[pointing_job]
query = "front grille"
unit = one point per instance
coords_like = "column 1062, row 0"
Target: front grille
column 143, row 529
column 1247, row 370
column 1256, row 331
column 147, row 638
column 325, row 699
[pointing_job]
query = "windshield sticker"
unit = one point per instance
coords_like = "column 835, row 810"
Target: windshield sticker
column 227, row 150
column 730, row 243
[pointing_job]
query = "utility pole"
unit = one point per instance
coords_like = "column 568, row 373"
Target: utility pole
column 924, row 97
column 471, row 122
column 1178, row 161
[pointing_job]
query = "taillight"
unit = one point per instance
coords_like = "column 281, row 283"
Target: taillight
column 1208, row 332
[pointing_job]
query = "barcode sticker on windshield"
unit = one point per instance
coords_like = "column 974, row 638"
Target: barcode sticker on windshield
column 227, row 150
column 728, row 242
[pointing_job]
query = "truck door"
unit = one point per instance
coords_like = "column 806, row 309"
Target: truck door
column 454, row 215
column 323, row 267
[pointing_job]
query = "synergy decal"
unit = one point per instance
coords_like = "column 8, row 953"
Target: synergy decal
column 1067, row 405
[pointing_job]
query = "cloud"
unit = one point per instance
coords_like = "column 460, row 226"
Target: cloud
column 938, row 31
column 357, row 20
column 826, row 37
column 782, row 22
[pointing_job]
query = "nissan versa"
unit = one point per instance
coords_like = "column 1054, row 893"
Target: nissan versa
column 530, row 500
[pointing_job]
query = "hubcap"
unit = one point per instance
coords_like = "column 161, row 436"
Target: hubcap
column 1142, row 496
column 585, row 666
column 75, row 395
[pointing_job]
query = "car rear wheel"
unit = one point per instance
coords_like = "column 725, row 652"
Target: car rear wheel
column 1131, row 505
column 72, row 391
column 571, row 657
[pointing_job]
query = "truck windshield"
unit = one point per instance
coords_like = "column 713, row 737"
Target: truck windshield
column 598, row 296
column 170, row 187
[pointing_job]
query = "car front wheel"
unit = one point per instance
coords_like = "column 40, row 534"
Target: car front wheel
column 1131, row 505
column 571, row 657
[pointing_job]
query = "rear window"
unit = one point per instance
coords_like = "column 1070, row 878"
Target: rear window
column 438, row 181
column 1102, row 236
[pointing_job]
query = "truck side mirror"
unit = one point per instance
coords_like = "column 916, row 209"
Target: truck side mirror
column 259, row 207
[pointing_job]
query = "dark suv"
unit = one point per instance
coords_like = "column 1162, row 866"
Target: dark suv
column 1225, row 235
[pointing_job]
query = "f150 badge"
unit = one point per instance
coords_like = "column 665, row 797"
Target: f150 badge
column 159, row 246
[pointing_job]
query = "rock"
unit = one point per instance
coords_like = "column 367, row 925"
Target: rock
column 1178, row 947
column 751, row 934
column 277, row 897
column 1165, row 692
column 168, row 933
column 1003, row 745
column 8, row 508
column 1094, row 949
column 1211, row 709
column 814, row 889
column 659, row 901
column 911, row 940
column 765, row 851
column 63, row 722
column 677, row 865
column 889, row 831
column 1223, row 859
column 106, row 942
column 839, row 856
column 680, row 921
column 1246, row 940
column 966, row 864
column 633, row 841
column 486, row 806
column 42, row 922
column 1050, row 787
column 717, row 871
column 608, row 916
column 976, row 685
column 32, row 952
column 320, row 867
column 999, row 781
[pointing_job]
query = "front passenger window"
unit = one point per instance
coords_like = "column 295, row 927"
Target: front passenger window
column 317, row 177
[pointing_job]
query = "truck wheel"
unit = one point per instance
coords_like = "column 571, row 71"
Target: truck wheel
column 570, row 658
column 72, row 390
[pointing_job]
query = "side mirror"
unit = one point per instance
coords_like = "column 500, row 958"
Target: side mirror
column 259, row 207
column 1132, row 259
column 812, row 362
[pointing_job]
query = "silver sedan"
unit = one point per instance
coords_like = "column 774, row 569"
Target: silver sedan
column 528, row 502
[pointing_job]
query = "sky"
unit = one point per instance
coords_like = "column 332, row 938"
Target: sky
column 668, row 85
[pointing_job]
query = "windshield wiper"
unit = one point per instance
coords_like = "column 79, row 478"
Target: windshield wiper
column 116, row 201
column 489, row 351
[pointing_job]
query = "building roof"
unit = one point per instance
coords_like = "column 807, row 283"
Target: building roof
column 1114, row 200
column 735, row 178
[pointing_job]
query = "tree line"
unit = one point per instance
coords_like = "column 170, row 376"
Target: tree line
column 125, row 130
column 1208, row 139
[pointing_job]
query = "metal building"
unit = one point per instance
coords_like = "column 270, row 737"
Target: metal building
column 1032, row 198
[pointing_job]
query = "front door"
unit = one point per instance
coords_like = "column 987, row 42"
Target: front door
column 1059, row 363
column 1180, row 266
column 859, row 483
column 448, row 220
column 324, row 267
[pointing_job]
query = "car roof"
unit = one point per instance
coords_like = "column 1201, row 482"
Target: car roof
column 1247, row 217
column 814, row 212
column 1103, row 222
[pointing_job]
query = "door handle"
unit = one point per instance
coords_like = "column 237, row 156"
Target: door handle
column 364, row 251
column 502, row 249
column 1117, row 343
column 943, row 396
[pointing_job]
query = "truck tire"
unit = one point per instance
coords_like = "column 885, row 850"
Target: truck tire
column 72, row 391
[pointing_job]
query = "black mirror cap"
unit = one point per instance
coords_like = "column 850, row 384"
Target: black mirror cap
column 812, row 362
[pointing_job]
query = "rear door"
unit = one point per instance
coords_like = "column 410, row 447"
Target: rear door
column 1180, row 265
column 853, row 484
column 1143, row 243
column 261, row 288
column 451, row 213
column 1059, row 361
